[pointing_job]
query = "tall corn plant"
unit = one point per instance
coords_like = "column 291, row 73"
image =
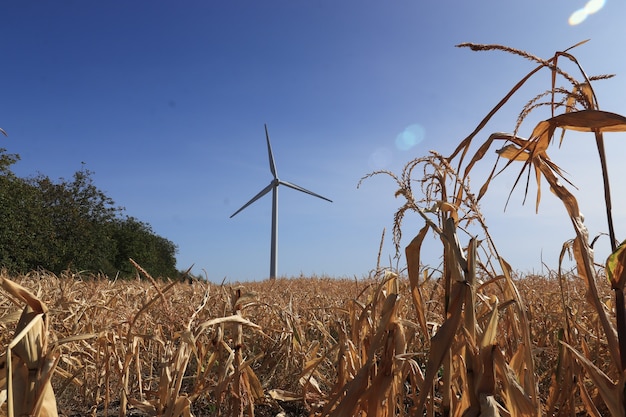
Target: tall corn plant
column 574, row 107
column 473, row 368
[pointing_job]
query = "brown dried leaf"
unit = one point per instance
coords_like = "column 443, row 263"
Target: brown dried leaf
column 610, row 392
column 590, row 120
column 513, row 153
column 518, row 402
column 412, row 253
column 616, row 267
column 282, row 395
column 442, row 341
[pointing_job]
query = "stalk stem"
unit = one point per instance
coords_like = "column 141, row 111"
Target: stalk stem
column 620, row 313
column 607, row 189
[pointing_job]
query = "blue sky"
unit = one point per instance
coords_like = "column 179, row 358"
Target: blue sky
column 166, row 103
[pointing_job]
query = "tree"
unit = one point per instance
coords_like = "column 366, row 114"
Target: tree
column 71, row 224
column 135, row 239
column 6, row 160
column 78, row 214
column 23, row 229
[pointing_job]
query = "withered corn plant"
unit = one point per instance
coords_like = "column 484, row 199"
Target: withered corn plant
column 309, row 346
column 571, row 107
column 161, row 348
column 480, row 358
column 476, row 365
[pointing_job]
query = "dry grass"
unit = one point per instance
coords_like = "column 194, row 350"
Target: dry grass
column 465, row 338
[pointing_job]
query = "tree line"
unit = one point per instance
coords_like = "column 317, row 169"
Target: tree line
column 72, row 225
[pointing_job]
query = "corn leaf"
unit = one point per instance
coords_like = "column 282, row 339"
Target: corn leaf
column 590, row 120
column 611, row 393
column 412, row 252
column 616, row 267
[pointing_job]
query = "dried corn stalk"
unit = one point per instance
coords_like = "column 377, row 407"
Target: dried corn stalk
column 29, row 366
column 580, row 113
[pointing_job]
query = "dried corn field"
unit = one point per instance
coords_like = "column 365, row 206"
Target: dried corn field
column 464, row 338
column 302, row 346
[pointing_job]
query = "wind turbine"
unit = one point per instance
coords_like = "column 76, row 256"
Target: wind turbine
column 273, row 186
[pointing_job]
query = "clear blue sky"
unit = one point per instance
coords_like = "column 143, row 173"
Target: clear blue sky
column 166, row 101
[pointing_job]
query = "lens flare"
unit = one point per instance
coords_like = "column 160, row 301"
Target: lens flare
column 411, row 136
column 593, row 6
column 580, row 15
column 577, row 17
column 380, row 158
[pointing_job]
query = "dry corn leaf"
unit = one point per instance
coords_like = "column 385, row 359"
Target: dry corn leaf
column 528, row 151
column 453, row 253
column 412, row 253
column 491, row 331
column 487, row 381
column 381, row 394
column 29, row 391
column 282, row 395
column 590, row 120
column 11, row 317
column 146, row 407
column 584, row 90
column 233, row 319
column 353, row 390
column 310, row 383
column 442, row 341
column 471, row 323
column 616, row 267
column 181, row 408
column 589, row 403
column 513, row 153
column 611, row 393
column 489, row 407
column 356, row 388
column 256, row 389
column 518, row 402
column 443, row 206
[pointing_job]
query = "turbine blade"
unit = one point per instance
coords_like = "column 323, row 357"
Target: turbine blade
column 255, row 198
column 271, row 155
column 304, row 190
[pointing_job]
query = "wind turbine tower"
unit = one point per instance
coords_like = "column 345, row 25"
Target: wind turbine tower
column 273, row 187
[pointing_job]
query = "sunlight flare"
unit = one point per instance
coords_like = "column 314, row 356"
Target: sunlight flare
column 590, row 8
column 411, row 136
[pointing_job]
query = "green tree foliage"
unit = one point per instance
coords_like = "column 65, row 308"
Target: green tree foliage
column 22, row 245
column 71, row 224
column 77, row 215
column 152, row 252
